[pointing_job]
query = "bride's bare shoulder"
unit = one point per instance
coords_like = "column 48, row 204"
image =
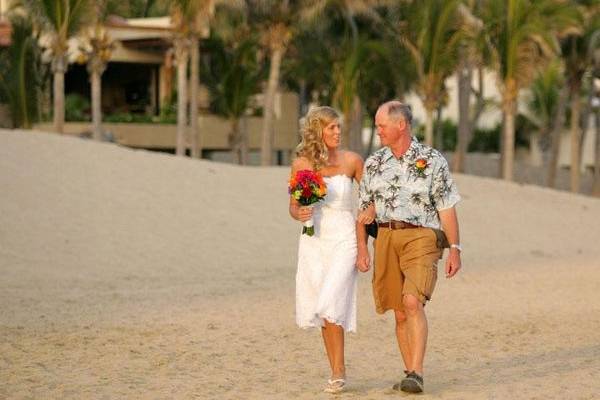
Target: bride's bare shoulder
column 352, row 157
column 354, row 163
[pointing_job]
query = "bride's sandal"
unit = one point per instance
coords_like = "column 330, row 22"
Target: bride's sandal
column 335, row 385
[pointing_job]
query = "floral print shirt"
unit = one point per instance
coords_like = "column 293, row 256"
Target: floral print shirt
column 411, row 188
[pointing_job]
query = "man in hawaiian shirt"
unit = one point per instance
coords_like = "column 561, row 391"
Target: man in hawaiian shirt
column 413, row 195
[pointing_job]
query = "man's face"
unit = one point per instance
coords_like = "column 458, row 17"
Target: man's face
column 389, row 130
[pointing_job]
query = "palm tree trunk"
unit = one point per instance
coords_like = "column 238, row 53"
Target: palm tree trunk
column 243, row 135
column 371, row 139
column 555, row 136
column 194, row 74
column 21, row 66
column 356, row 113
column 59, row 67
column 266, row 153
column 182, row 56
column 464, row 76
column 596, row 184
column 238, row 140
column 438, row 129
column 303, row 97
column 429, row 127
column 235, row 142
column 553, row 161
column 575, row 140
column 95, row 78
column 508, row 141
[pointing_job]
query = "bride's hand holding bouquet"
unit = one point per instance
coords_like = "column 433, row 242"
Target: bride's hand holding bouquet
column 307, row 188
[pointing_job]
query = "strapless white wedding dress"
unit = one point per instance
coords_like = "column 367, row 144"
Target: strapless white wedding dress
column 326, row 276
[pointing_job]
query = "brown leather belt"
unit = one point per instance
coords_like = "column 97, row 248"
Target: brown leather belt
column 397, row 225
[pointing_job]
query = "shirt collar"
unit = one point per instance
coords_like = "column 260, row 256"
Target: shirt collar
column 410, row 152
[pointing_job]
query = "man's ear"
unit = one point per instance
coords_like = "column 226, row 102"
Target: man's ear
column 401, row 124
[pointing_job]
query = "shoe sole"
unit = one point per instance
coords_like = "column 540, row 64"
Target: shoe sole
column 334, row 390
column 411, row 386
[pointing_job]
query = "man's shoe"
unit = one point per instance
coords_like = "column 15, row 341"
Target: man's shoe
column 413, row 383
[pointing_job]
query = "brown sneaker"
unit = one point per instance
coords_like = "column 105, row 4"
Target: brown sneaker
column 413, row 383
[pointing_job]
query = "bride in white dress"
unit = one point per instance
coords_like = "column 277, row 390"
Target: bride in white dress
column 326, row 276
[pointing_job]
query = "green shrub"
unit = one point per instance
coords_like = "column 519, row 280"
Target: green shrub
column 449, row 132
column 77, row 108
column 139, row 118
column 486, row 140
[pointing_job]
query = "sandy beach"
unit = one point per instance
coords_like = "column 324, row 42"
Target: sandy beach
column 135, row 275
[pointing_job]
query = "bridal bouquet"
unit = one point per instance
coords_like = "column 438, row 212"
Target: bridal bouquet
column 308, row 188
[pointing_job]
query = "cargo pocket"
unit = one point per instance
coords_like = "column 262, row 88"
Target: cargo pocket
column 430, row 281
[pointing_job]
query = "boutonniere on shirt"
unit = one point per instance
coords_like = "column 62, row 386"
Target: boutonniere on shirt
column 420, row 166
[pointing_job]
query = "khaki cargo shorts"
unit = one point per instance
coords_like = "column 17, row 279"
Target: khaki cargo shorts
column 405, row 263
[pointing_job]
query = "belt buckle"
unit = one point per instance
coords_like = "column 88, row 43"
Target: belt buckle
column 396, row 225
column 401, row 225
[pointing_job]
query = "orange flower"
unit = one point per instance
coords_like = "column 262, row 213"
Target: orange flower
column 421, row 164
column 322, row 189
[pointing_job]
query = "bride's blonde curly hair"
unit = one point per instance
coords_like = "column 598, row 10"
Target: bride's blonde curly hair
column 312, row 147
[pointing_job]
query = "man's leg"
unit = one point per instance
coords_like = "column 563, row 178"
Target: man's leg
column 402, row 337
column 416, row 324
column 420, row 256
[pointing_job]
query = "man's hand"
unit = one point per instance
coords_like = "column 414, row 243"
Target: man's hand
column 449, row 222
column 453, row 263
column 363, row 260
column 367, row 215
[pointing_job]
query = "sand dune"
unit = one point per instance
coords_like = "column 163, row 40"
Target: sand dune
column 134, row 275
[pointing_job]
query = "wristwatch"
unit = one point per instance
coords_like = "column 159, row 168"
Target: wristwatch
column 456, row 246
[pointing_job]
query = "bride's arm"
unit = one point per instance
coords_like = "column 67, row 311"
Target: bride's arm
column 362, row 259
column 297, row 211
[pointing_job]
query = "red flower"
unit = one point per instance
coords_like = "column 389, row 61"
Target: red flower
column 306, row 192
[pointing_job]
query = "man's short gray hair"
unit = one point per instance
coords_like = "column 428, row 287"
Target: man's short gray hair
column 397, row 109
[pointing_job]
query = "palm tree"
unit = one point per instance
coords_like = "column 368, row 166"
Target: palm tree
column 232, row 74
column 191, row 19
column 96, row 48
column 472, row 56
column 184, row 14
column 577, row 52
column 325, row 56
column 200, row 26
column 347, row 63
column 522, row 34
column 275, row 21
column 307, row 66
column 60, row 20
column 19, row 75
column 348, row 9
column 430, row 30
column 351, row 77
column 548, row 100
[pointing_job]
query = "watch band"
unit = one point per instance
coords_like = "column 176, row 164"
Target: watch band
column 456, row 246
